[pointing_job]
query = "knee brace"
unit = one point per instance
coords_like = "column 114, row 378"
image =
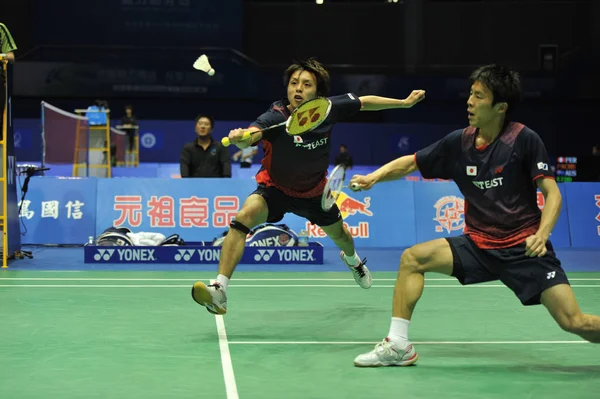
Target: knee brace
column 239, row 227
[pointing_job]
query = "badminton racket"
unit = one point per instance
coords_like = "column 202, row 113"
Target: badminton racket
column 333, row 188
column 305, row 118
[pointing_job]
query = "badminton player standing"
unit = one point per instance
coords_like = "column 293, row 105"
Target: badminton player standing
column 293, row 175
column 498, row 166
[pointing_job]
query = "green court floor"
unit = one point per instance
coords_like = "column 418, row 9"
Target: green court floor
column 287, row 335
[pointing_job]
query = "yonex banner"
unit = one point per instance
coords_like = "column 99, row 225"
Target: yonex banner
column 311, row 255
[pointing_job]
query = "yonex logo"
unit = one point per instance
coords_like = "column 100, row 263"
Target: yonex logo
column 185, row 254
column 550, row 275
column 264, row 254
column 104, row 254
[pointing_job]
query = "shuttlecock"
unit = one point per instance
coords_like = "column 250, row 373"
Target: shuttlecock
column 202, row 64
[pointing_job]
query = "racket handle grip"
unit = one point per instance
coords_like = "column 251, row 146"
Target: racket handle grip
column 226, row 142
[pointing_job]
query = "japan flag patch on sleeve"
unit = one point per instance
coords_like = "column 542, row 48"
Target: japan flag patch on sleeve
column 471, row 170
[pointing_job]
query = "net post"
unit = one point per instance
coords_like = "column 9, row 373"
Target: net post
column 43, row 133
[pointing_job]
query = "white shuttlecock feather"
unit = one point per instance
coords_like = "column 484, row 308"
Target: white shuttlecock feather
column 202, row 64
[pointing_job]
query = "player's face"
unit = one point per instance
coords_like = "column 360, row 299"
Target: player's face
column 481, row 113
column 302, row 87
column 203, row 127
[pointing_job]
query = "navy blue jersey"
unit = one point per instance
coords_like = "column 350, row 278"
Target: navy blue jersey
column 498, row 181
column 297, row 165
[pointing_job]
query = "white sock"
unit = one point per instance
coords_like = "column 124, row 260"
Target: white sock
column 399, row 332
column 353, row 260
column 224, row 281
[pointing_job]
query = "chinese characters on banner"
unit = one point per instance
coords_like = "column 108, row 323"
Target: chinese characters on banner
column 52, row 209
column 166, row 212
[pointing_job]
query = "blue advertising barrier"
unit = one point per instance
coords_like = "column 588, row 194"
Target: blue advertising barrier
column 394, row 214
column 201, row 209
column 583, row 201
column 440, row 207
column 59, row 210
column 196, row 209
column 193, row 254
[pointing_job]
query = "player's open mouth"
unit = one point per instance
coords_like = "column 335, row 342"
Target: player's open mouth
column 298, row 98
column 470, row 115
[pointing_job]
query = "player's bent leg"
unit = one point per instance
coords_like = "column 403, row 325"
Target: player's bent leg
column 253, row 212
column 431, row 256
column 344, row 241
column 562, row 305
column 396, row 349
column 213, row 297
column 340, row 235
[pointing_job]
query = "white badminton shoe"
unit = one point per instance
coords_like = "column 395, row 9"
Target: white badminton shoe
column 361, row 273
column 386, row 353
column 212, row 297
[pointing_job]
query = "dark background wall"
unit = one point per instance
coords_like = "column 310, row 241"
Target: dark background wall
column 141, row 51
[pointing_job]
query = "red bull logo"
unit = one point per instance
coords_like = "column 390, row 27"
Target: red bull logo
column 450, row 214
column 348, row 207
column 351, row 206
column 360, row 231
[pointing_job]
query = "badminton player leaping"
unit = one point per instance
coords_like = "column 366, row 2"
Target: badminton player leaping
column 293, row 175
column 498, row 165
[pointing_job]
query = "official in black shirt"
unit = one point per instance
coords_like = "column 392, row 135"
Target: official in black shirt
column 130, row 125
column 204, row 157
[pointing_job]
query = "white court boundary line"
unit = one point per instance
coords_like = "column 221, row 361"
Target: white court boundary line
column 414, row 342
column 227, row 364
column 467, row 287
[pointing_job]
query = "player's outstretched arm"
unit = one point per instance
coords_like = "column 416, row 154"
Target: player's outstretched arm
column 393, row 170
column 236, row 137
column 536, row 244
column 376, row 103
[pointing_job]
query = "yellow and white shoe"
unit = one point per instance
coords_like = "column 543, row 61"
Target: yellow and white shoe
column 212, row 297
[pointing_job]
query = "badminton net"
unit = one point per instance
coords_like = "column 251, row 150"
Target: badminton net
column 65, row 139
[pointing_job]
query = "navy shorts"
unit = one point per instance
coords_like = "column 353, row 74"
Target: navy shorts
column 309, row 208
column 527, row 277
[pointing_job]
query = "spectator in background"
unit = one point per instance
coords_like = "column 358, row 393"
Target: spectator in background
column 7, row 48
column 130, row 126
column 246, row 154
column 344, row 157
column 204, row 157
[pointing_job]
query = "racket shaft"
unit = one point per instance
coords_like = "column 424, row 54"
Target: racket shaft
column 248, row 133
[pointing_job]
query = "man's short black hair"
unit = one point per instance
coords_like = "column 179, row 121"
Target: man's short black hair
column 504, row 83
column 210, row 118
